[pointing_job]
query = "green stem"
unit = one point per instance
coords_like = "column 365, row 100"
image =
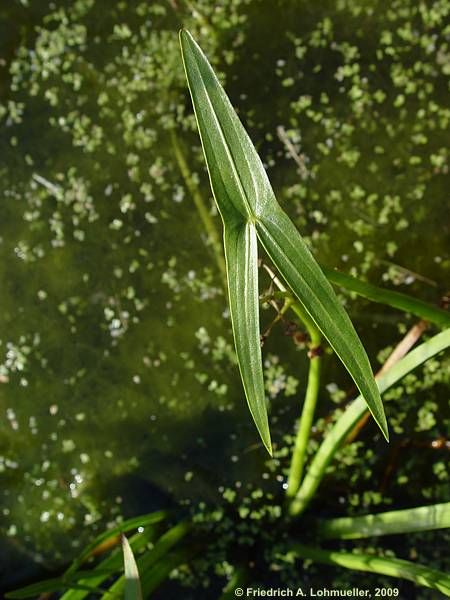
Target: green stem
column 422, row 518
column 301, row 313
column 200, row 204
column 352, row 415
column 304, row 428
column 311, row 327
column 393, row 567
column 312, row 390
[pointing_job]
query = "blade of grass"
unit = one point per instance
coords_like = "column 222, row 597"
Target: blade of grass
column 113, row 562
column 400, row 350
column 243, row 195
column 403, row 302
column 132, row 581
column 148, row 559
column 142, row 521
column 345, row 424
column 393, row 567
column 56, row 584
column 423, row 518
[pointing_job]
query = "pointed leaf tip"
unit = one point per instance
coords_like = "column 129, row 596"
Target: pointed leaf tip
column 133, row 589
column 183, row 35
column 186, row 40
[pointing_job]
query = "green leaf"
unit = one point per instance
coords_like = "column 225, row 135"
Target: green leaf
column 132, row 582
column 242, row 270
column 112, row 563
column 345, row 424
column 393, row 567
column 57, row 584
column 141, row 521
column 423, row 518
column 46, row 586
column 245, row 201
column 391, row 298
column 301, row 272
column 149, row 558
column 240, row 235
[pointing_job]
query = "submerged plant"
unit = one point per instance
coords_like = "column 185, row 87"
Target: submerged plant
column 250, row 214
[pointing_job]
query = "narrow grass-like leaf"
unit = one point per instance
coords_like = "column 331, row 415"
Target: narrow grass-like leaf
column 35, row 589
column 113, row 563
column 393, row 567
column 244, row 196
column 132, row 581
column 142, row 521
column 145, row 562
column 56, row 584
column 170, row 539
column 398, row 300
column 345, row 424
column 423, row 518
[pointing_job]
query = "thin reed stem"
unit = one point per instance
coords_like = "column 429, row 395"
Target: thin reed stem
column 200, row 204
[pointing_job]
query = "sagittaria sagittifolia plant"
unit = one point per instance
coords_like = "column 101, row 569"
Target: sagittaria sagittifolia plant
column 251, row 213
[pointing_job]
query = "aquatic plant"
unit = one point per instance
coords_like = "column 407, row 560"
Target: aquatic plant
column 246, row 203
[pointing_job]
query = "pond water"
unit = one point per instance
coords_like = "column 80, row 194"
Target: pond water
column 119, row 391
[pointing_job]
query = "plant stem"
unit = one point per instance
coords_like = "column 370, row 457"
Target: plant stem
column 304, row 428
column 200, row 204
column 293, row 304
column 422, row 518
column 352, row 415
column 312, row 391
column 309, row 406
column 392, row 567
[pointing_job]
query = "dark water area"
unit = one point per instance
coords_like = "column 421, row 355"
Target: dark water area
column 119, row 389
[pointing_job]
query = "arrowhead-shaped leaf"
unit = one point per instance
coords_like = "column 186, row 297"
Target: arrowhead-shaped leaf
column 246, row 202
